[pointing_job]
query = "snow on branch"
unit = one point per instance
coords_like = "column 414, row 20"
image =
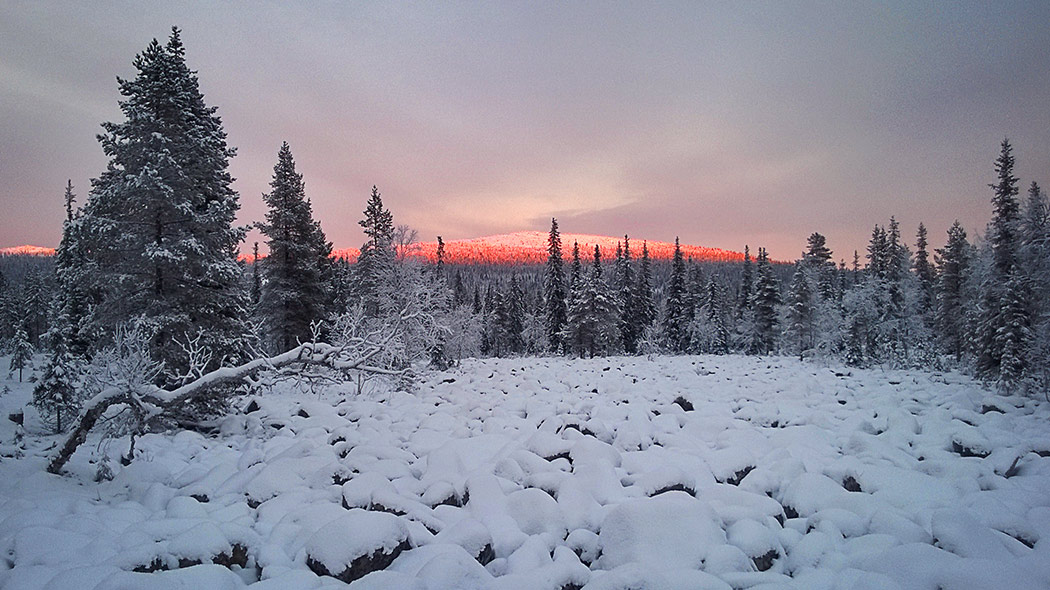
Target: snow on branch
column 356, row 353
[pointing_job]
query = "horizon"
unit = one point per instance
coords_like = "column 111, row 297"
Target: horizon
column 522, row 247
column 723, row 125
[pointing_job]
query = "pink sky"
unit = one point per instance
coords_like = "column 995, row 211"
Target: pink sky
column 724, row 124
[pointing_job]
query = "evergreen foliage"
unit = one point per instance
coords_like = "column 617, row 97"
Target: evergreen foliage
column 953, row 265
column 295, row 293
column 799, row 330
column 55, row 395
column 159, row 222
column 631, row 322
column 440, row 256
column 819, row 267
column 71, row 300
column 255, row 292
column 644, row 309
column 767, row 297
column 554, row 294
column 376, row 263
column 576, row 273
column 995, row 320
column 747, row 280
column 21, row 352
column 924, row 271
column 593, row 317
column 677, row 316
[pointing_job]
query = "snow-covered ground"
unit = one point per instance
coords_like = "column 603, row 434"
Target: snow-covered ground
column 557, row 474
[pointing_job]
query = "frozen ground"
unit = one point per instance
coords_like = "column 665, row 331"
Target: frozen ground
column 558, row 474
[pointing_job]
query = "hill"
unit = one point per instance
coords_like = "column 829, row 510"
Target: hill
column 524, row 247
column 530, row 247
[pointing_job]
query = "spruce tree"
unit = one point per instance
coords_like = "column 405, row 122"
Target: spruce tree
column 71, row 303
column 35, row 305
column 695, row 299
column 375, row 264
column 817, row 261
column 924, row 271
column 1015, row 334
column 953, row 264
column 878, row 253
column 767, row 297
column 1004, row 225
column 1035, row 226
column 513, row 318
column 747, row 280
column 677, row 319
column 459, row 289
column 630, row 323
column 554, row 294
column 800, row 312
column 855, row 269
column 159, row 221
column 576, row 273
column 256, row 287
column 593, row 315
column 1036, row 262
column 21, row 353
column 717, row 316
column 55, row 395
column 440, row 256
column 1003, row 239
column 644, row 306
column 709, row 330
column 294, row 292
column 897, row 264
column 476, row 305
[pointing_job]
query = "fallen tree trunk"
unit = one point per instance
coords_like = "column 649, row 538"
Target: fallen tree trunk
column 85, row 423
column 154, row 401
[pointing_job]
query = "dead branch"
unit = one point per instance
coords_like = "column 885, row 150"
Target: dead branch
column 355, row 355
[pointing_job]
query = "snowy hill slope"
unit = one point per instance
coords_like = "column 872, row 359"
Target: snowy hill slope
column 524, row 247
column 530, row 247
column 674, row 472
column 27, row 250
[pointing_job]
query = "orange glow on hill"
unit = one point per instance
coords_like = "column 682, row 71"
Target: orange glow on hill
column 530, row 247
column 527, row 247
column 27, row 250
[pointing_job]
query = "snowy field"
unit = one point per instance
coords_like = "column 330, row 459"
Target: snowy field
column 557, row 474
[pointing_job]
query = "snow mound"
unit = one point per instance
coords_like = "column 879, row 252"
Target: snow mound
column 669, row 531
column 356, row 544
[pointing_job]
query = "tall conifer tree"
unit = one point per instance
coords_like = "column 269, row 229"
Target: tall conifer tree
column 953, row 262
column 999, row 310
column 554, row 294
column 677, row 319
column 644, row 305
column 294, row 292
column 630, row 322
column 375, row 265
column 160, row 219
column 924, row 272
column 747, row 280
column 767, row 297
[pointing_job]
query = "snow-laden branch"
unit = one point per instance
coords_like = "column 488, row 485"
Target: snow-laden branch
column 356, row 354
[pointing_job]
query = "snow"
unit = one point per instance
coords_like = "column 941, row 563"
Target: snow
column 356, row 533
column 552, row 473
